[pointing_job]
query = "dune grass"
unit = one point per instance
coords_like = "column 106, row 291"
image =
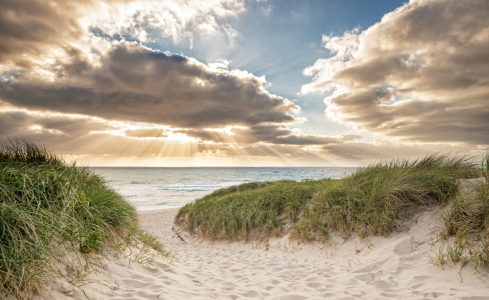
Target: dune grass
column 239, row 212
column 373, row 200
column 467, row 223
column 47, row 205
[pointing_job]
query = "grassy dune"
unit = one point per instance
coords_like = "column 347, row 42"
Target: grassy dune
column 47, row 205
column 373, row 200
column 466, row 224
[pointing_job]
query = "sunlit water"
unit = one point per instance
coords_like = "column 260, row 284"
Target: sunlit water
column 153, row 188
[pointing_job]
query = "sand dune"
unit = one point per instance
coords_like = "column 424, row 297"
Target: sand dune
column 377, row 268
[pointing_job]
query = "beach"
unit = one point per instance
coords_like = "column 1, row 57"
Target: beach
column 234, row 149
column 376, row 267
column 390, row 230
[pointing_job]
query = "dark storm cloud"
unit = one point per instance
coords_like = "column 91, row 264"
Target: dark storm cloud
column 135, row 83
column 421, row 74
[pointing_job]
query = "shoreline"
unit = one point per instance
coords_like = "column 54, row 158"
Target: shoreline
column 157, row 210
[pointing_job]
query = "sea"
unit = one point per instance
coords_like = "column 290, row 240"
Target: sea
column 155, row 188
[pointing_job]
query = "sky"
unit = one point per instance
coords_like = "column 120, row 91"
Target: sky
column 189, row 83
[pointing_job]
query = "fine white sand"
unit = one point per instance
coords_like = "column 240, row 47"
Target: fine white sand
column 395, row 267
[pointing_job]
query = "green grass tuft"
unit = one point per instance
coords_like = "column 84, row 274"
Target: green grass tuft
column 46, row 203
column 235, row 212
column 467, row 220
column 373, row 200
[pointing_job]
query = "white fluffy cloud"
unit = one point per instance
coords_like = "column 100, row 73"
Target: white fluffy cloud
column 177, row 20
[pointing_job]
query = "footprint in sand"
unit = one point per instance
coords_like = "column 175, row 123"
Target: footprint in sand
column 251, row 294
column 381, row 284
column 314, row 285
column 291, row 297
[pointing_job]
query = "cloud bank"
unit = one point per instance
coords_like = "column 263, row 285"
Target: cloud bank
column 134, row 83
column 421, row 74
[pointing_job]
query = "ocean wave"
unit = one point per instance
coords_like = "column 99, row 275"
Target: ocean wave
column 194, row 187
column 160, row 206
column 184, row 189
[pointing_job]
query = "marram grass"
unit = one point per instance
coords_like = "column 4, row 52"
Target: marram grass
column 373, row 200
column 46, row 203
column 466, row 223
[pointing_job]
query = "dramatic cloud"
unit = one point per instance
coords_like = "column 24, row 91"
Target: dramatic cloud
column 134, row 83
column 39, row 34
column 421, row 74
column 70, row 81
column 53, row 62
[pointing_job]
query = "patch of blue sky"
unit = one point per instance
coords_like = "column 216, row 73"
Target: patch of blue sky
column 11, row 74
column 99, row 33
column 396, row 99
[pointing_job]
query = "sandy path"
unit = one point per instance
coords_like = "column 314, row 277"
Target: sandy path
column 379, row 268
